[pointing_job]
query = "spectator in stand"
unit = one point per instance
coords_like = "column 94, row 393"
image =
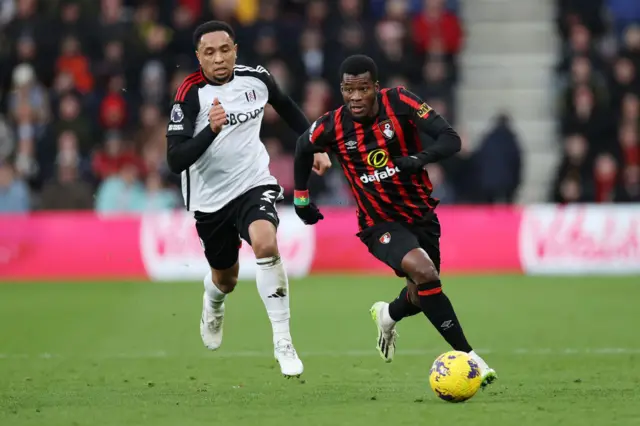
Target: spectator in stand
column 7, row 140
column 574, row 181
column 437, row 26
column 631, row 46
column 625, row 79
column 583, row 74
column 499, row 163
column 67, row 191
column 110, row 159
column 588, row 118
column 28, row 94
column 74, row 62
column 14, row 193
column 630, row 144
column 121, row 192
column 606, row 176
column 156, row 196
column 113, row 107
column 629, row 189
column 580, row 12
column 459, row 171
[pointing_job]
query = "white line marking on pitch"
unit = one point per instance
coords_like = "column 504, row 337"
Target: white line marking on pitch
column 354, row 353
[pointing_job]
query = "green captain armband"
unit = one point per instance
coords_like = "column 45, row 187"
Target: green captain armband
column 301, row 198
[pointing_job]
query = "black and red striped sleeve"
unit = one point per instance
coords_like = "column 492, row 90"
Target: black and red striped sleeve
column 426, row 120
column 312, row 141
column 183, row 146
column 185, row 107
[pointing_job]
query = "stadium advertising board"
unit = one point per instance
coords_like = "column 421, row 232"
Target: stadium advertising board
column 171, row 250
column 580, row 239
column 543, row 239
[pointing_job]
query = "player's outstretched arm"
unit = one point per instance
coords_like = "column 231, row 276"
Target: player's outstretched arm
column 427, row 121
column 302, row 165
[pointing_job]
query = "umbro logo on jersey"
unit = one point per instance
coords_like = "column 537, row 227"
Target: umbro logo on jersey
column 242, row 117
column 351, row 144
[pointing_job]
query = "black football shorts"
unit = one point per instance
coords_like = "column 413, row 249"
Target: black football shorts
column 390, row 242
column 221, row 232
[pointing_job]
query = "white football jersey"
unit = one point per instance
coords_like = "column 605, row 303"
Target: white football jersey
column 237, row 160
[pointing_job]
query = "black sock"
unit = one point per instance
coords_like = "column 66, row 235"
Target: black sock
column 437, row 307
column 402, row 307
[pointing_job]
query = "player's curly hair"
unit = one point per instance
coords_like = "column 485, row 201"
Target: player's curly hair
column 211, row 27
column 359, row 64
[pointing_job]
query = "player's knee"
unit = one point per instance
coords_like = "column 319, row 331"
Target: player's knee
column 267, row 246
column 419, row 267
column 226, row 282
column 425, row 272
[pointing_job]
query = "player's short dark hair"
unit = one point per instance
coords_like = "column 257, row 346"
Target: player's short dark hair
column 211, row 27
column 359, row 64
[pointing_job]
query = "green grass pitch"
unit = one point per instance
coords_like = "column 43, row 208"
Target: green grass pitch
column 567, row 351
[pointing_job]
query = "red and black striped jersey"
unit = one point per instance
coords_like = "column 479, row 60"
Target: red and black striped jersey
column 365, row 150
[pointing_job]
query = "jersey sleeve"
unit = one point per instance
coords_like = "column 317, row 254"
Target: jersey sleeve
column 184, row 111
column 446, row 142
column 420, row 113
column 312, row 141
column 317, row 134
column 184, row 147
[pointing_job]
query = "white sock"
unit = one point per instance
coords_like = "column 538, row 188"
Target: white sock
column 273, row 287
column 385, row 318
column 481, row 363
column 215, row 296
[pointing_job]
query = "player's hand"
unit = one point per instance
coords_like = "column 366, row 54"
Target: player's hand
column 411, row 163
column 321, row 163
column 310, row 214
column 217, row 116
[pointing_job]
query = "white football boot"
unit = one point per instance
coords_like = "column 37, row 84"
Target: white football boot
column 387, row 335
column 211, row 324
column 287, row 357
column 488, row 374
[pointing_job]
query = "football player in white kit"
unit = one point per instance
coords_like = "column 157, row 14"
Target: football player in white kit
column 213, row 141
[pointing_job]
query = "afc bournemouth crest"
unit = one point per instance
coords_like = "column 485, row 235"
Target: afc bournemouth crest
column 251, row 96
column 385, row 238
column 386, row 127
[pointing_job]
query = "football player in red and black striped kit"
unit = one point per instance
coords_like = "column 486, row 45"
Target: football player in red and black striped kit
column 383, row 139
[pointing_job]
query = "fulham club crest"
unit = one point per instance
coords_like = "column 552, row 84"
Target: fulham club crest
column 386, row 127
column 251, row 96
column 385, row 238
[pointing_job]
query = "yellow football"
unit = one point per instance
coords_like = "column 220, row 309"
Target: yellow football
column 455, row 377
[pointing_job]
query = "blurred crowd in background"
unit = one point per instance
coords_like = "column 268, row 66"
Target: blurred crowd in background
column 86, row 85
column 599, row 101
